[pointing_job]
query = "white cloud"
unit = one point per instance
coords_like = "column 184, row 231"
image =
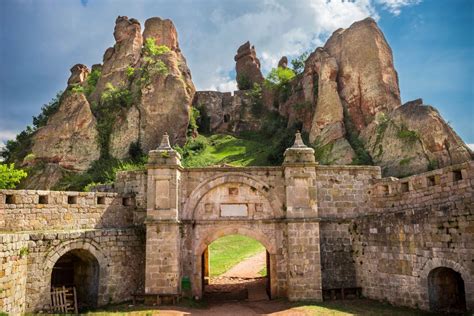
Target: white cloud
column 471, row 146
column 395, row 6
column 5, row 136
column 276, row 27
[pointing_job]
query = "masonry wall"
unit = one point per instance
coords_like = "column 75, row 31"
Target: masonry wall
column 120, row 254
column 25, row 210
column 53, row 222
column 422, row 222
column 13, row 269
column 343, row 193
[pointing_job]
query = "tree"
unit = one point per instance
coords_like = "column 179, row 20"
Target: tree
column 298, row 63
column 9, row 176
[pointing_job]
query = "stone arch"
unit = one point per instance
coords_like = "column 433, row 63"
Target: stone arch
column 82, row 244
column 236, row 229
column 232, row 177
column 467, row 277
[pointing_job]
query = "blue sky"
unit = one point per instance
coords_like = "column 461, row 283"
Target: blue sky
column 432, row 43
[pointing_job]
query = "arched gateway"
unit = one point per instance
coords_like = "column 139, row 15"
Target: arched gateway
column 182, row 222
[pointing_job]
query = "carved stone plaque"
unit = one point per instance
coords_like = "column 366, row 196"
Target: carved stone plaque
column 233, row 210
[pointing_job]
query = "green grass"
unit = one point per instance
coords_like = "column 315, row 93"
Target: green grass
column 226, row 252
column 226, row 149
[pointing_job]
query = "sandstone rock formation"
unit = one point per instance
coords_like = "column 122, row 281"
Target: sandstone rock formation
column 327, row 129
column 159, row 101
column 165, row 103
column 412, row 139
column 126, row 52
column 79, row 73
column 70, row 137
column 367, row 80
column 247, row 67
column 283, row 62
column 347, row 101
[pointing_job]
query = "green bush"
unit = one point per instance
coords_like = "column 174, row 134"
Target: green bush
column 243, row 82
column 101, row 171
column 203, row 121
column 135, row 152
column 405, row 161
column 116, row 96
column 433, row 164
column 77, row 88
column 279, row 80
column 9, row 176
column 315, row 86
column 362, row 157
column 151, row 49
column 113, row 102
column 130, row 71
column 255, row 95
column 298, row 63
column 91, row 81
column 408, row 135
column 193, row 121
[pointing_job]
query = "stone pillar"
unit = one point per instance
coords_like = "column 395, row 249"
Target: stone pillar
column 162, row 268
column 304, row 262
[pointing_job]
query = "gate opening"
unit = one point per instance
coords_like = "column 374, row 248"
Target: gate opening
column 446, row 291
column 236, row 267
column 78, row 268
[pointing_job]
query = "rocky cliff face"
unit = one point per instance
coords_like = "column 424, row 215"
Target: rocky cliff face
column 367, row 80
column 70, row 137
column 247, row 67
column 142, row 90
column 346, row 100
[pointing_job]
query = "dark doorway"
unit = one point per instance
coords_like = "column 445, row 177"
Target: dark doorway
column 446, row 291
column 80, row 269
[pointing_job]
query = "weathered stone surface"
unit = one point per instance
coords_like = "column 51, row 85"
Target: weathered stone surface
column 125, row 132
column 367, row 80
column 79, row 73
column 212, row 104
column 283, row 62
column 163, row 31
column 412, row 139
column 70, row 137
column 126, row 52
column 45, row 177
column 227, row 112
column 165, row 103
column 247, row 66
column 323, row 227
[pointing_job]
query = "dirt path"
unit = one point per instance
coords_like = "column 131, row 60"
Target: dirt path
column 249, row 268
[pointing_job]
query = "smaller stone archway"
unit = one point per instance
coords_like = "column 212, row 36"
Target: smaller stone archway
column 80, row 263
column 447, row 283
column 202, row 244
column 446, row 290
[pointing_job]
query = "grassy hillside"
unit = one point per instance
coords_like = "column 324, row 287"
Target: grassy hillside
column 218, row 149
column 227, row 251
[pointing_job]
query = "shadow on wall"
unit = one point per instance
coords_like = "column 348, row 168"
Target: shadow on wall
column 446, row 291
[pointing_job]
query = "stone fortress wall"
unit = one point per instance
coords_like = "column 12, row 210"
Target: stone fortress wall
column 324, row 227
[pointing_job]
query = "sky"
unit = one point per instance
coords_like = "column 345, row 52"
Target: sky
column 432, row 43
